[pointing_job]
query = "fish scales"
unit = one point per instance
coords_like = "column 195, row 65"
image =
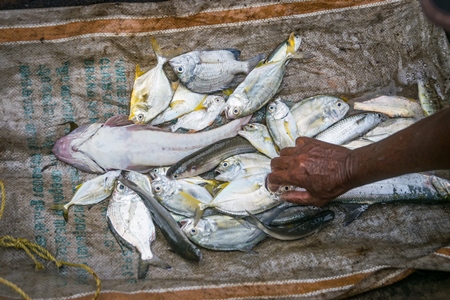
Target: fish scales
column 350, row 128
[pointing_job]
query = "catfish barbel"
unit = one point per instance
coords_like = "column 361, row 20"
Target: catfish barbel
column 118, row 144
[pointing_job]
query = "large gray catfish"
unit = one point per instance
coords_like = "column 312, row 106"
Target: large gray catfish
column 118, row 144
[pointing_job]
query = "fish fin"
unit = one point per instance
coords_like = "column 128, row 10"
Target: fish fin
column 353, row 211
column 254, row 61
column 236, row 52
column 175, row 85
column 248, row 249
column 189, row 197
column 192, row 131
column 117, row 121
column 176, row 103
column 138, row 72
column 142, row 268
column 251, row 85
column 201, row 105
column 159, row 263
column 78, row 186
column 64, row 208
column 228, row 91
column 198, row 214
column 163, row 57
column 72, row 125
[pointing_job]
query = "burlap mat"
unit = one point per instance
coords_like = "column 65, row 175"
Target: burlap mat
column 77, row 64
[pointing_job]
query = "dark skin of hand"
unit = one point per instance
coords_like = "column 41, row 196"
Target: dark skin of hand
column 327, row 171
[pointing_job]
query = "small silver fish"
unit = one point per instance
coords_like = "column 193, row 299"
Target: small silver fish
column 202, row 117
column 208, row 71
column 258, row 135
column 152, row 91
column 91, row 192
column 223, row 233
column 293, row 42
column 392, row 106
column 131, row 221
column 242, row 165
column 281, row 124
column 315, row 114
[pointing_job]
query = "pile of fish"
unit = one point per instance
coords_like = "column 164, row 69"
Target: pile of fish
column 193, row 159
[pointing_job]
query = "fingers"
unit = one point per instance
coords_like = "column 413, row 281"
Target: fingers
column 302, row 198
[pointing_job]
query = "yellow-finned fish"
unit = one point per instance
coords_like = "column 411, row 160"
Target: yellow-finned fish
column 91, row 192
column 152, row 90
column 260, row 85
column 281, row 124
column 258, row 135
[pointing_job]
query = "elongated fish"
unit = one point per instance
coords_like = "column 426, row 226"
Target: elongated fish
column 209, row 157
column 242, row 165
column 258, row 135
column 258, row 88
column 281, row 124
column 91, row 192
column 315, row 114
column 131, row 221
column 387, row 128
column 350, row 128
column 120, row 145
column 152, row 91
column 298, row 231
column 168, row 226
column 392, row 106
column 409, row 188
column 208, row 71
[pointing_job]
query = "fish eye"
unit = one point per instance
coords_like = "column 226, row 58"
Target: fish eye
column 193, row 231
column 180, row 69
column 157, row 188
column 225, row 164
column 120, row 187
column 236, row 111
column 140, row 117
column 175, row 175
column 251, row 126
column 339, row 104
column 217, row 99
column 271, row 107
column 286, row 188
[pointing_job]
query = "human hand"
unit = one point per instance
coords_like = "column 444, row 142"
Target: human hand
column 320, row 168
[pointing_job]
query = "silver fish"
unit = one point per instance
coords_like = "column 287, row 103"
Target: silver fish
column 209, row 157
column 91, row 192
column 130, row 219
column 183, row 101
column 120, row 145
column 281, row 124
column 315, row 114
column 258, row 135
column 208, row 71
column 223, row 233
column 392, row 106
column 202, row 117
column 293, row 42
column 242, row 165
column 428, row 97
column 242, row 195
column 260, row 85
column 350, row 128
column 387, row 128
column 152, row 91
column 178, row 196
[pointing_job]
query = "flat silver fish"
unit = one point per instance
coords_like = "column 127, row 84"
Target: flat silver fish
column 130, row 219
column 281, row 124
column 120, row 145
column 242, row 165
column 91, row 192
column 392, row 106
column 152, row 91
column 258, row 135
column 317, row 113
column 223, row 233
column 208, row 71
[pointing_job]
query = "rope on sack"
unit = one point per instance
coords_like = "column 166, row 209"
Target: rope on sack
column 33, row 249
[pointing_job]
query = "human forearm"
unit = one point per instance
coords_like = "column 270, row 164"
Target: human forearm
column 421, row 147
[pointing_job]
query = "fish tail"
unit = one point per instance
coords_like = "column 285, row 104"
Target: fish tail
column 159, row 263
column 143, row 268
column 252, row 62
column 163, row 57
column 199, row 213
column 64, row 208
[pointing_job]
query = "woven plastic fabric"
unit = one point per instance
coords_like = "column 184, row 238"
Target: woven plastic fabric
column 78, row 63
